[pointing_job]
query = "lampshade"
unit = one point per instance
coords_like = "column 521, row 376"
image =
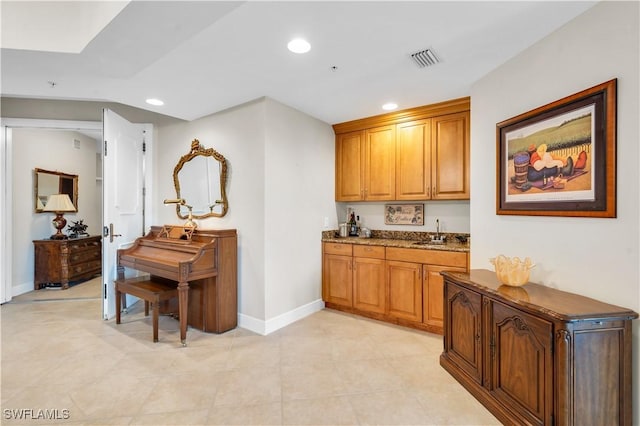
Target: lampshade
column 59, row 203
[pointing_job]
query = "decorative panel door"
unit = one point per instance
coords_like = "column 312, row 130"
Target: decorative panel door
column 338, row 279
column 404, row 298
column 369, row 289
column 451, row 156
column 521, row 362
column 380, row 163
column 350, row 166
column 413, row 160
column 463, row 335
column 432, row 293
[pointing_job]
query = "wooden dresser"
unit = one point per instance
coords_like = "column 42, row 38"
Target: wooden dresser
column 61, row 261
column 534, row 355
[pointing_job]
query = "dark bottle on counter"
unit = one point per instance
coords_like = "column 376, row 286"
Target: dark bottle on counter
column 353, row 226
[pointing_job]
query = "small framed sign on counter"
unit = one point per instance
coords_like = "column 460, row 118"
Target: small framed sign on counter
column 404, row 214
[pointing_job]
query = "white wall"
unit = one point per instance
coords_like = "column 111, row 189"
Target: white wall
column 50, row 150
column 298, row 196
column 598, row 258
column 278, row 160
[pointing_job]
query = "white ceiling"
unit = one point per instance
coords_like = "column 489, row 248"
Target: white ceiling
column 202, row 57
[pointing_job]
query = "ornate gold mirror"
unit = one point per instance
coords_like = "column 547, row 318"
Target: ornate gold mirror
column 48, row 183
column 200, row 179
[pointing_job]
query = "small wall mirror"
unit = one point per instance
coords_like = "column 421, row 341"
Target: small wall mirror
column 200, row 179
column 47, row 183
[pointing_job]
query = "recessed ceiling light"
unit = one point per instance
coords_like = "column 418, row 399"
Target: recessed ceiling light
column 153, row 101
column 389, row 106
column 298, row 45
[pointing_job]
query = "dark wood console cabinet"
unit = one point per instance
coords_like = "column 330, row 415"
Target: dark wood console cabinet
column 62, row 261
column 534, row 355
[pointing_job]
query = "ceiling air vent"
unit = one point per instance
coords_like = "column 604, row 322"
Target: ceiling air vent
column 425, row 58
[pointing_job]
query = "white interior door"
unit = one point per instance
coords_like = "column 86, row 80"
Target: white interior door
column 123, row 177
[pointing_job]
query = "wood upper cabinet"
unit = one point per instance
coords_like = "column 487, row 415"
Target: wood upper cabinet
column 416, row 154
column 535, row 355
column 350, row 150
column 380, row 164
column 413, row 160
column 450, row 157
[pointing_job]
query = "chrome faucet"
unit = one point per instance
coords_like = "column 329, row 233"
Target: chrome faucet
column 437, row 229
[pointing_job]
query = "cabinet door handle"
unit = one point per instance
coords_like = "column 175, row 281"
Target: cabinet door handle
column 428, row 192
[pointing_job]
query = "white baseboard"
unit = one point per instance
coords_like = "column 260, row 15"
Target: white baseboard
column 17, row 290
column 269, row 326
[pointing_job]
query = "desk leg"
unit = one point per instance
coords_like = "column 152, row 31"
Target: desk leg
column 183, row 305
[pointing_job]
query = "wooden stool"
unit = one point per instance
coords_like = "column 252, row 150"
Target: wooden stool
column 150, row 291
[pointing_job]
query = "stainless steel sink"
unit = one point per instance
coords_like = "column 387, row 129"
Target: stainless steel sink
column 430, row 243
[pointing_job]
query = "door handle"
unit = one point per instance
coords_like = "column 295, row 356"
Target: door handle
column 111, row 234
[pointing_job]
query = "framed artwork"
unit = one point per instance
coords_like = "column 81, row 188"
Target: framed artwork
column 404, row 214
column 560, row 159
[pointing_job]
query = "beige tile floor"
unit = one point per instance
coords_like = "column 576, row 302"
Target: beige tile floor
column 327, row 369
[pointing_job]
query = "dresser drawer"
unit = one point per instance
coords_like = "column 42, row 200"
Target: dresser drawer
column 83, row 245
column 84, row 256
column 84, row 268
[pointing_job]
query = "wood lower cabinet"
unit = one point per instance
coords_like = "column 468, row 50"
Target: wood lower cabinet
column 337, row 274
column 432, row 293
column 397, row 285
column 415, row 284
column 534, row 355
column 369, row 283
column 405, row 290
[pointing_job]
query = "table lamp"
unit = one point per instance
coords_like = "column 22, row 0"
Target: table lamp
column 59, row 203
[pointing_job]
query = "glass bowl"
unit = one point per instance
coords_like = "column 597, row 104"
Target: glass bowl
column 512, row 271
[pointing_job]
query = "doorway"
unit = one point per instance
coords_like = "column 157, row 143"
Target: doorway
column 17, row 195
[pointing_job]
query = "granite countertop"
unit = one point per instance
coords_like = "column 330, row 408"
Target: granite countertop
column 401, row 240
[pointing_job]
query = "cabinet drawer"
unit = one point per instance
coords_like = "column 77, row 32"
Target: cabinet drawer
column 373, row 252
column 338, row 248
column 429, row 257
